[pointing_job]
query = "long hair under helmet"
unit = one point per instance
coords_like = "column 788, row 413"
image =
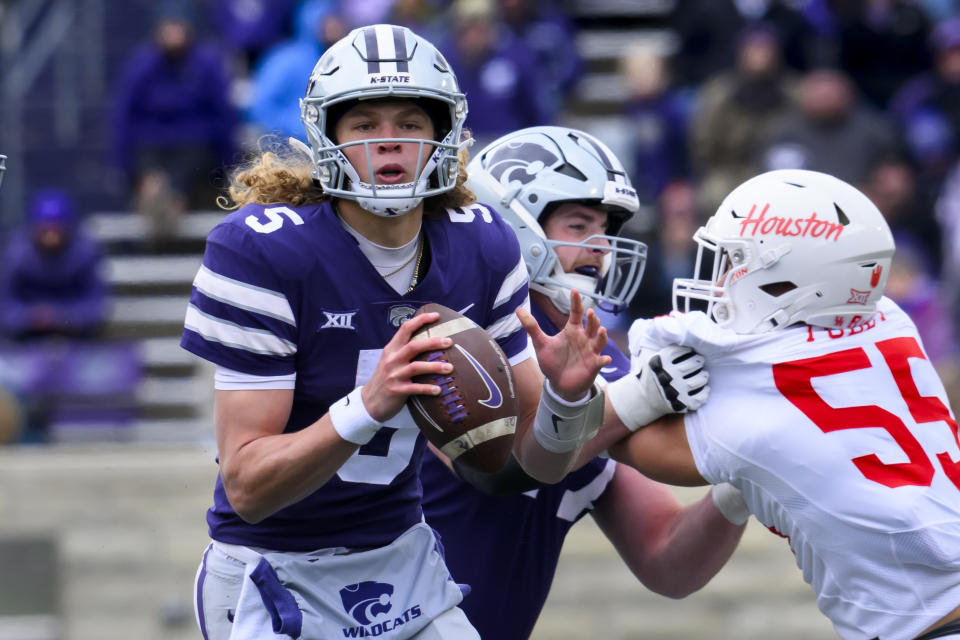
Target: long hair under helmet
column 526, row 174
column 376, row 62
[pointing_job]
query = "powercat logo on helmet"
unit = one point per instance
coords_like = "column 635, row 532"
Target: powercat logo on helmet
column 812, row 227
column 518, row 161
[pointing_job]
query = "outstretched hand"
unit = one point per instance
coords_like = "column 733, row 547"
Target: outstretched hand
column 572, row 359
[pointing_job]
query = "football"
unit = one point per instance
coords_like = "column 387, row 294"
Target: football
column 475, row 416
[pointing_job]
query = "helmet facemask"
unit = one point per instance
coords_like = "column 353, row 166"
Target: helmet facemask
column 610, row 289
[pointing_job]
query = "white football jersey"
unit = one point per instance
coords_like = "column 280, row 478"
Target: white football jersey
column 841, row 441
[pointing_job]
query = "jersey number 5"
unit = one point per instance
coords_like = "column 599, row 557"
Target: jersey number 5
column 793, row 380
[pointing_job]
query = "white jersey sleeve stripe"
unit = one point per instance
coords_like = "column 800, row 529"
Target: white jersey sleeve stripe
column 508, row 324
column 230, row 380
column 233, row 335
column 512, row 283
column 255, row 299
column 526, row 354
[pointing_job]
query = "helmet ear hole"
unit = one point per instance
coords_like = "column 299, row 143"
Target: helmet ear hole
column 568, row 169
column 777, row 289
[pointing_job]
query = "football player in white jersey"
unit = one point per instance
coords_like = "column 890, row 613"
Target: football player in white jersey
column 305, row 302
column 824, row 409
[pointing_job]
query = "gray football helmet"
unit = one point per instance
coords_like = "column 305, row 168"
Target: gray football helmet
column 526, row 174
column 3, row 166
column 383, row 61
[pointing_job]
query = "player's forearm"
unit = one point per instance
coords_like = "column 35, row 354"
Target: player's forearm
column 550, row 447
column 272, row 472
column 696, row 547
column 543, row 465
column 611, row 431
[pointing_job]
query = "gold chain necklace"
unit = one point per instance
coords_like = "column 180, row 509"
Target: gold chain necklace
column 413, row 257
column 416, row 267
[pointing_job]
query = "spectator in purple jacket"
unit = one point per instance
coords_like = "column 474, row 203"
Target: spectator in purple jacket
column 249, row 27
column 173, row 123
column 550, row 34
column 658, row 121
column 496, row 71
column 51, row 282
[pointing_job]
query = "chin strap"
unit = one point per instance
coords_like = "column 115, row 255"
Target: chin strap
column 388, row 207
column 559, row 294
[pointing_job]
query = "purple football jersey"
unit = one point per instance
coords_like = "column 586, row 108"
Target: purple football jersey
column 286, row 290
column 507, row 548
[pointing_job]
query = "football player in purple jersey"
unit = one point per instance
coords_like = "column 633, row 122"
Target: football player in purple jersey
column 304, row 303
column 566, row 195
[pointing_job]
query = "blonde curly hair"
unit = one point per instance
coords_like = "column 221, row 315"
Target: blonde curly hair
column 280, row 172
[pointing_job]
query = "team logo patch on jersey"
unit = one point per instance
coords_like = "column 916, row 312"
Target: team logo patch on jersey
column 368, row 603
column 338, row 320
column 858, row 297
column 400, row 314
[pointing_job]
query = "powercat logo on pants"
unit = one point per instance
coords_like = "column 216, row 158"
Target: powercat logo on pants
column 368, row 603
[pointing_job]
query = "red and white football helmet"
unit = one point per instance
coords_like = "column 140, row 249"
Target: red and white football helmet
column 791, row 246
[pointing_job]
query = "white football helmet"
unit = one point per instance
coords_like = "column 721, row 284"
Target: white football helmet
column 383, row 61
column 524, row 175
column 791, row 246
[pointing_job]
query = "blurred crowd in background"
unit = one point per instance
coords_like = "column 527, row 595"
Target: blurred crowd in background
column 708, row 93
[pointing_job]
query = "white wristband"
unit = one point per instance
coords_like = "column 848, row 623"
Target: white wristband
column 729, row 501
column 351, row 420
column 561, row 426
column 635, row 400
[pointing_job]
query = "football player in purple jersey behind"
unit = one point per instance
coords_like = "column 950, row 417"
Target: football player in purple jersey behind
column 304, row 303
column 566, row 196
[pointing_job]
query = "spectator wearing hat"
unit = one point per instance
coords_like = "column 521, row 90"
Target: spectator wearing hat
column 51, row 282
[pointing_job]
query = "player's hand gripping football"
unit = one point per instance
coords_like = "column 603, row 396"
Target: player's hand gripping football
column 385, row 393
column 572, row 359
